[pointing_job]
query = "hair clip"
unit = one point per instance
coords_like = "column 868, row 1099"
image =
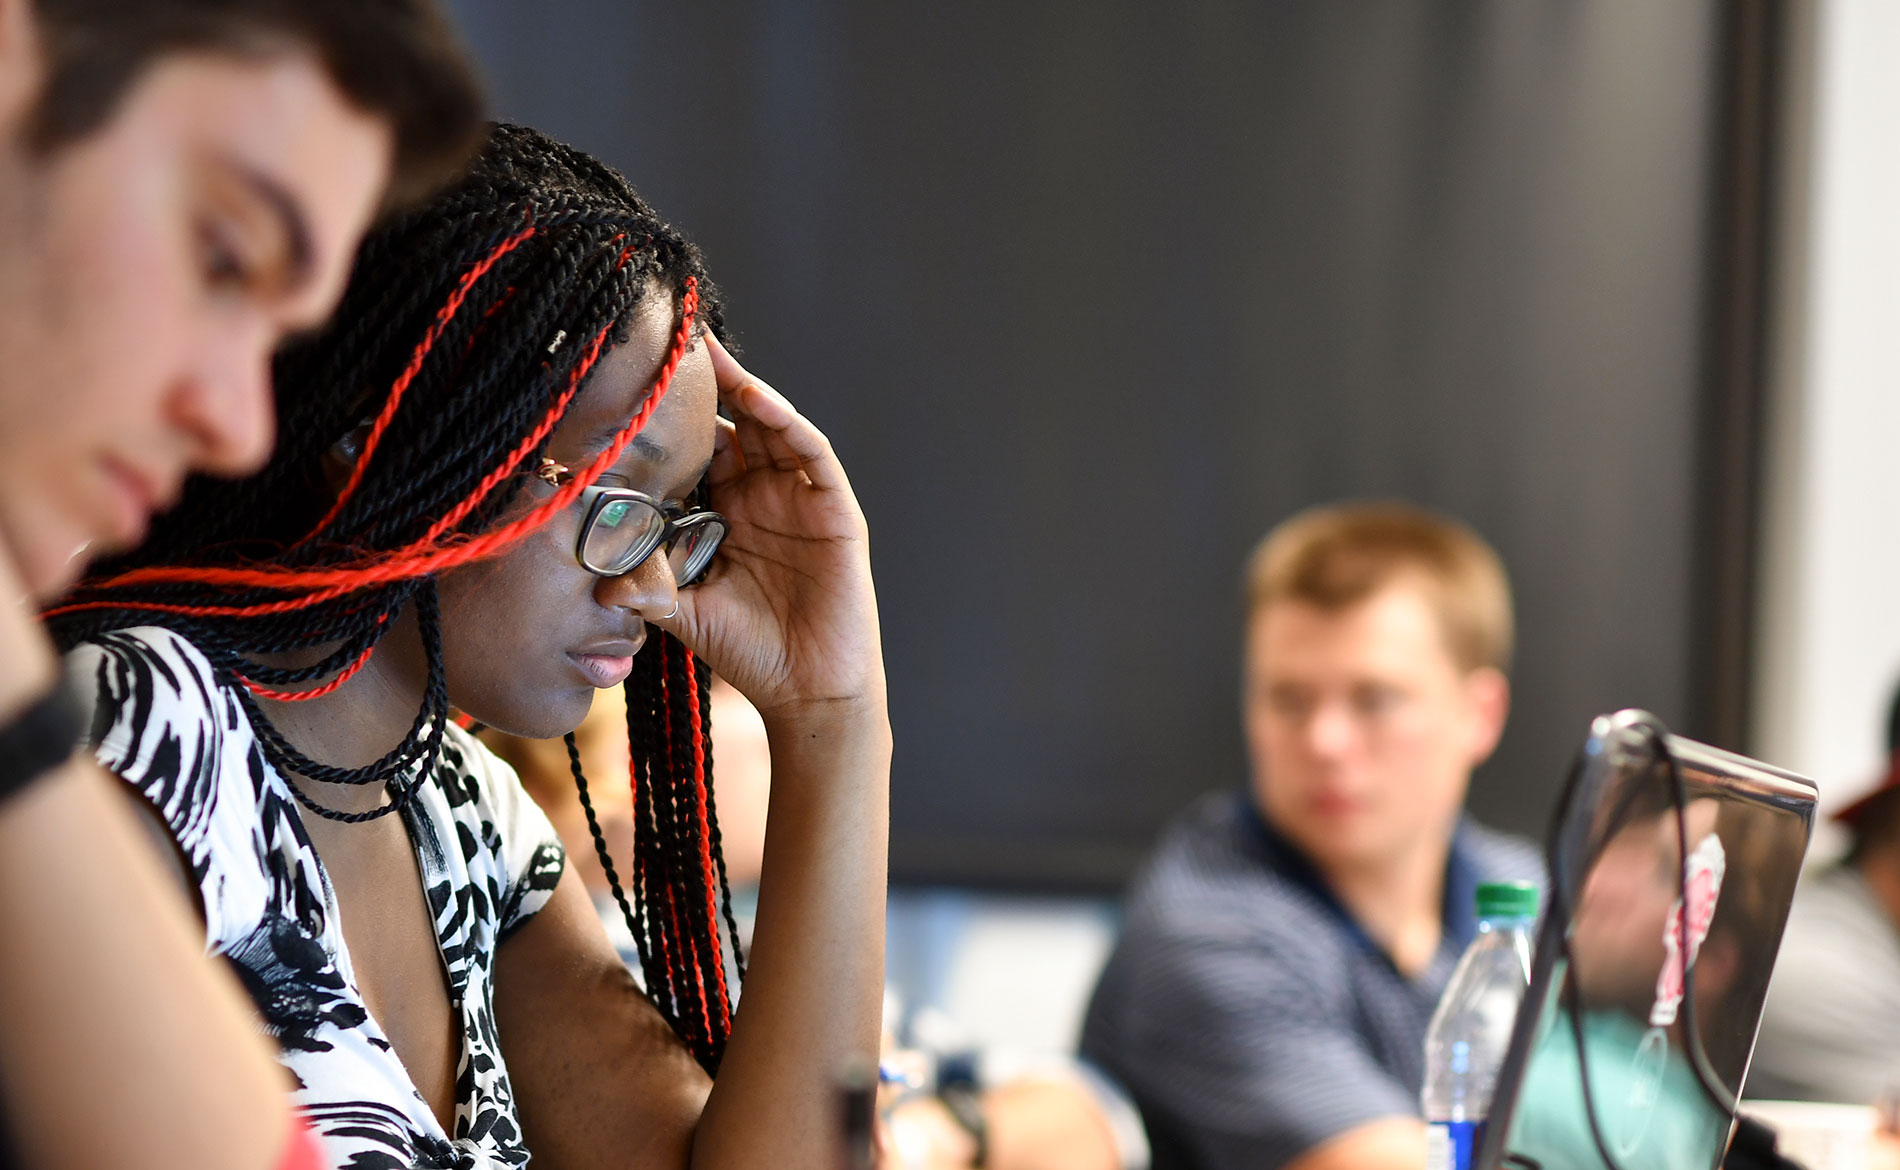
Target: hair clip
column 554, row 473
column 560, row 335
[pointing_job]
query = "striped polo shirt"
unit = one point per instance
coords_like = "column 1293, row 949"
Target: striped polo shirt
column 1246, row 1011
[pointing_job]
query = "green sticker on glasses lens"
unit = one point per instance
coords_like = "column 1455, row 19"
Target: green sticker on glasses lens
column 614, row 513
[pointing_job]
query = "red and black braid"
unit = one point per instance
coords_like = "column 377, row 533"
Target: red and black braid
column 469, row 326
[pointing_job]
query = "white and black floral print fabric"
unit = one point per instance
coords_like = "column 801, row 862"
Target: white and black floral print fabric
column 488, row 857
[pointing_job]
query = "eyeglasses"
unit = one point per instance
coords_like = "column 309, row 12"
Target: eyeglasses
column 623, row 527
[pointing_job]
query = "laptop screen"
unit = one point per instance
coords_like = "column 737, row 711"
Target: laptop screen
column 1605, row 1033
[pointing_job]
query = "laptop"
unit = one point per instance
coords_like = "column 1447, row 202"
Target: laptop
column 1633, row 1040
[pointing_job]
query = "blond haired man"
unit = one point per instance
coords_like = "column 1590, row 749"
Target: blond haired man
column 1283, row 949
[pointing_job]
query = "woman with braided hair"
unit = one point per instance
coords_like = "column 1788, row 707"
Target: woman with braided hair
column 497, row 480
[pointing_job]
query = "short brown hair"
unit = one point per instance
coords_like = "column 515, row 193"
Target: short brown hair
column 1337, row 556
column 397, row 60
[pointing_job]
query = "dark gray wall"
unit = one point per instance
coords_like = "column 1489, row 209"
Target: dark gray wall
column 1090, row 294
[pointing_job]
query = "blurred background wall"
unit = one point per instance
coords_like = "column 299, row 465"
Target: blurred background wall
column 1829, row 632
column 1090, row 294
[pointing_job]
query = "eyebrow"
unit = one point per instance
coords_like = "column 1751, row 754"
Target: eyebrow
column 649, row 450
column 289, row 215
column 640, row 445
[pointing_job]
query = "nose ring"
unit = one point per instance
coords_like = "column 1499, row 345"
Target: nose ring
column 667, row 617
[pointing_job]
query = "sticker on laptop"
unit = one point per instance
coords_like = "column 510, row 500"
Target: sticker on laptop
column 1687, row 926
column 1684, row 930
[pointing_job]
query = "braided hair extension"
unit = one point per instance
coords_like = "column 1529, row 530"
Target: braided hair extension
column 469, row 326
column 677, row 871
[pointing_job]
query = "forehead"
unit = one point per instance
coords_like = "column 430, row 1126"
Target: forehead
column 1395, row 630
column 277, row 115
column 683, row 425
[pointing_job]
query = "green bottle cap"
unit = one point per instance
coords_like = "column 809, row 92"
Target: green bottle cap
column 1507, row 900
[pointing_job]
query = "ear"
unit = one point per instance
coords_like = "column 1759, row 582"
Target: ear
column 22, row 67
column 1488, row 697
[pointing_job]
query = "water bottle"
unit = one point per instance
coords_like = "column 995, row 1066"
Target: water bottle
column 1472, row 1026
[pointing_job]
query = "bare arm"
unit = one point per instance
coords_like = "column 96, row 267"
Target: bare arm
column 1396, row 1143
column 600, row 1079
column 121, row 1042
column 1030, row 1124
column 790, row 619
column 1048, row 1125
column 1885, row 1152
column 813, row 996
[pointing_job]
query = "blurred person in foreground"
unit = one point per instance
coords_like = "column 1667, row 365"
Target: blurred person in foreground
column 1283, row 949
column 1831, row 1027
column 182, row 183
column 1001, row 1112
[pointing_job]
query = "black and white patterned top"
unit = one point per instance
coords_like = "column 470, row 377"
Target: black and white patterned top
column 488, row 856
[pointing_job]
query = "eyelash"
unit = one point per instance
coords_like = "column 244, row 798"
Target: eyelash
column 613, row 479
column 223, row 264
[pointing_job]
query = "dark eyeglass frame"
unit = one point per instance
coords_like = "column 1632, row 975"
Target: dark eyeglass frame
column 676, row 522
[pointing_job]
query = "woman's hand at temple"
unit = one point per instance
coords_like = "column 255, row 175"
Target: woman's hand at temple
column 788, row 615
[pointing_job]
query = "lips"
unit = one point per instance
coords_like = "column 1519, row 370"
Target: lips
column 135, row 496
column 607, row 664
column 1334, row 804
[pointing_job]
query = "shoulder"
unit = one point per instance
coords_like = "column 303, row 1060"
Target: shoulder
column 177, row 733
column 1208, row 889
column 1206, row 844
column 160, row 716
column 1834, row 896
column 1831, row 1022
column 1502, row 857
column 1838, row 932
column 1231, row 1004
column 1200, row 853
column 1211, row 855
column 153, row 670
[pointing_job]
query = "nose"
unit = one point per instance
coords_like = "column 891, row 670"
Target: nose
column 1329, row 730
column 224, row 405
column 648, row 589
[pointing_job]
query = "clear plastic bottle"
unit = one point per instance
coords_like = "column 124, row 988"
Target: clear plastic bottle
column 1472, row 1026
